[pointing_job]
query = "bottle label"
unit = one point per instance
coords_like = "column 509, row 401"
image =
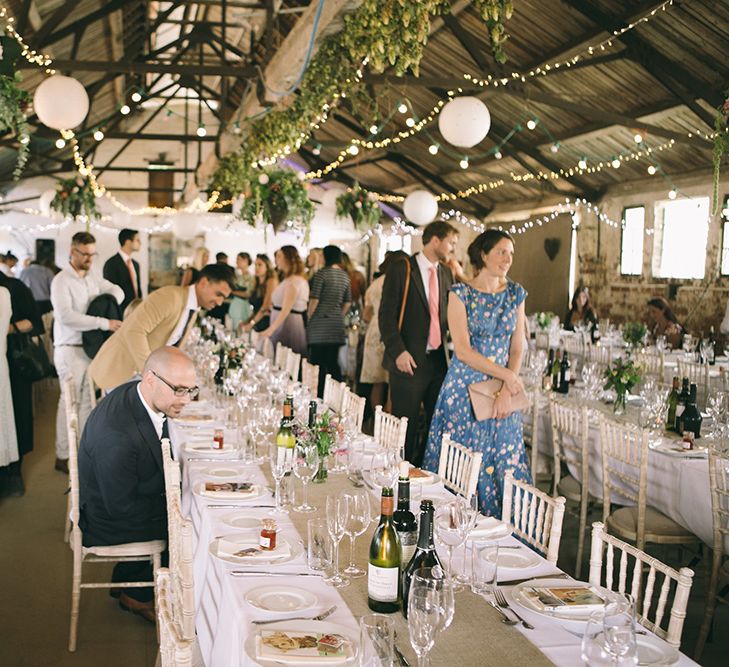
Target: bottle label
column 567, row 375
column 264, row 542
column 382, row 583
column 679, row 410
column 387, row 505
column 408, row 541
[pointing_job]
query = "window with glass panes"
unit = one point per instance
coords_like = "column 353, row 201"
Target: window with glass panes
column 681, row 232
column 631, row 241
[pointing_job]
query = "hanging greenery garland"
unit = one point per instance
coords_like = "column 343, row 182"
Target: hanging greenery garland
column 495, row 13
column 75, row 199
column 721, row 148
column 14, row 101
column 275, row 197
column 357, row 204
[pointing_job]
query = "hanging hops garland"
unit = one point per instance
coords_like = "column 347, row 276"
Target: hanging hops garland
column 721, row 148
column 356, row 204
column 495, row 13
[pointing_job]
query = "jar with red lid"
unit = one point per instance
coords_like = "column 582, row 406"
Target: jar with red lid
column 267, row 541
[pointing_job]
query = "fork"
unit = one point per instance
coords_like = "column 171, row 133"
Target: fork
column 319, row 617
column 501, row 601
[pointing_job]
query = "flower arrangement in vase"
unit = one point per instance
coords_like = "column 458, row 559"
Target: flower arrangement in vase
column 621, row 376
column 634, row 334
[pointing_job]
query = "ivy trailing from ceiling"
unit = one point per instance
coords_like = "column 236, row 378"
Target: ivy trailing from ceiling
column 274, row 197
column 356, row 204
column 721, row 148
column 14, row 101
column 75, row 199
column 495, row 13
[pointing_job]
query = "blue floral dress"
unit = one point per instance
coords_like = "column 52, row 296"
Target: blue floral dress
column 491, row 323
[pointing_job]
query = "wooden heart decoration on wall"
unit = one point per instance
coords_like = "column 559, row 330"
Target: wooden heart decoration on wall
column 551, row 247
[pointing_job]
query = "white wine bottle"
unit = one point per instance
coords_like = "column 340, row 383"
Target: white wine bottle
column 383, row 573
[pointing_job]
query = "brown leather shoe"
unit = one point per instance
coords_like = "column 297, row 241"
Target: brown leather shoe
column 62, row 465
column 143, row 609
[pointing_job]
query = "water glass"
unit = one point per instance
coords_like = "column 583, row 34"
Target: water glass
column 619, row 627
column 306, row 464
column 484, row 567
column 319, row 546
column 376, row 641
column 357, row 523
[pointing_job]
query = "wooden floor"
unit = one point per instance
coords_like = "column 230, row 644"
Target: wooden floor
column 35, row 570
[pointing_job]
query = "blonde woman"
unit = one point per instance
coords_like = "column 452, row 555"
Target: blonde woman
column 200, row 259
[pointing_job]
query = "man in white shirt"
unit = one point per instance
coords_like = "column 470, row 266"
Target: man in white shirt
column 71, row 292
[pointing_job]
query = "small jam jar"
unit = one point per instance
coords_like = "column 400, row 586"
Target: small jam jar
column 218, row 437
column 267, row 540
column 688, row 440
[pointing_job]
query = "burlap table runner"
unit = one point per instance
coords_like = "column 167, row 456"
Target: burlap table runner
column 476, row 637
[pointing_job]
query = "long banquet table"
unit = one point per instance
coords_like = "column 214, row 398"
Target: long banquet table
column 223, row 617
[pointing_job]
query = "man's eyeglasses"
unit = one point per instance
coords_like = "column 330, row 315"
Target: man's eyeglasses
column 192, row 392
column 88, row 255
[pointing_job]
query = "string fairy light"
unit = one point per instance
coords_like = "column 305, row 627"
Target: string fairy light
column 42, row 60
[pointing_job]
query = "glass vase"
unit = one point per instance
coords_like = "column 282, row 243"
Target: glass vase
column 619, row 404
column 323, row 472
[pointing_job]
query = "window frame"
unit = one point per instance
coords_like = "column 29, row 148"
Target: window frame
column 622, row 235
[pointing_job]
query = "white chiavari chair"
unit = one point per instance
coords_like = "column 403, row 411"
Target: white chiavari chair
column 652, row 362
column 647, row 577
column 70, row 404
column 132, row 551
column 625, row 476
column 459, row 467
column 293, row 361
column 266, row 348
column 719, row 484
column 535, row 516
column 355, row 405
column 390, row 431
column 604, row 324
column 600, row 354
column 574, row 344
column 697, row 374
column 334, row 392
column 281, row 356
column 541, row 339
column 92, row 390
column 174, row 649
column 570, row 438
column 310, row 377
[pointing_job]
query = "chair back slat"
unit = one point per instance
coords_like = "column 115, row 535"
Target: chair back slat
column 174, row 649
column 310, row 377
column 334, row 392
column 652, row 362
column 352, row 404
column 570, row 438
column 600, row 354
column 535, row 516
column 459, row 467
column 667, row 620
column 293, row 361
column 280, row 356
column 390, row 431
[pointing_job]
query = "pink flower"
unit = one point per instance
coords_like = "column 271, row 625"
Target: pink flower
column 725, row 108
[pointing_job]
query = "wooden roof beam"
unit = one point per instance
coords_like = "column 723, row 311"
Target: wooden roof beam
column 140, row 67
column 47, row 39
column 467, row 41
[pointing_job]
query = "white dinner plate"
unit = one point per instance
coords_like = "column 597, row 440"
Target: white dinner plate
column 489, row 528
column 654, row 651
column 281, row 598
column 206, row 448
column 572, row 620
column 517, row 559
column 223, row 472
column 295, row 550
column 228, row 496
column 314, row 627
column 242, row 521
column 195, row 419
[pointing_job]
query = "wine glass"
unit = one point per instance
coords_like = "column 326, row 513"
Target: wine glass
column 472, row 514
column 445, row 590
column 423, row 618
column 337, row 510
column 383, row 468
column 451, row 526
column 619, row 628
column 306, row 463
column 357, row 523
column 280, row 458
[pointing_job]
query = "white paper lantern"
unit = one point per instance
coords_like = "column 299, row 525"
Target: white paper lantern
column 44, row 201
column 420, row 207
column 329, row 199
column 464, row 122
column 61, row 102
column 185, row 226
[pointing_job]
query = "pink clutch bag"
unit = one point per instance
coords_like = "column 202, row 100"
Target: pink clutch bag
column 483, row 395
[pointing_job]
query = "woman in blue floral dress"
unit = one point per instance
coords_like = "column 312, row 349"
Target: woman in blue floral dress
column 486, row 321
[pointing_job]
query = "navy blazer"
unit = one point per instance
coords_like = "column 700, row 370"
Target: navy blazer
column 121, row 476
column 117, row 272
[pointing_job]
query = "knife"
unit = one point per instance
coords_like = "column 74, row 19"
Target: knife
column 239, row 507
column 254, row 573
column 401, row 658
column 218, row 460
column 516, row 582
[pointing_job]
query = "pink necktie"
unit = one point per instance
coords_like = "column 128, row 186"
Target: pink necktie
column 434, row 332
column 132, row 275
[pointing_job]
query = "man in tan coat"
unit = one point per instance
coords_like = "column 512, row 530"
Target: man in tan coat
column 163, row 318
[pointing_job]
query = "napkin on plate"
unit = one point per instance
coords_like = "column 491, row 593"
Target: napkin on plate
column 299, row 647
column 489, row 527
column 230, row 548
column 229, row 490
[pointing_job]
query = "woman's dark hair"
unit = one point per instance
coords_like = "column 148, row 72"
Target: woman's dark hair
column 483, row 244
column 581, row 290
column 662, row 305
column 245, row 256
column 391, row 257
column 293, row 259
column 269, row 267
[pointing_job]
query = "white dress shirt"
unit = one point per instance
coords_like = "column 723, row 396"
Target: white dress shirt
column 158, row 418
column 179, row 330
column 71, row 295
column 424, row 264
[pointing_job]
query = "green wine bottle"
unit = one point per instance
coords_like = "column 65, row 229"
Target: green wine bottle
column 383, row 574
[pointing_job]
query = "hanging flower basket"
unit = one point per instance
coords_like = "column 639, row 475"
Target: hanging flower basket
column 356, row 204
column 75, row 199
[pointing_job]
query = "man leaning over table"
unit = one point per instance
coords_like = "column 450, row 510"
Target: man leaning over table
column 121, row 478
column 165, row 317
column 71, row 292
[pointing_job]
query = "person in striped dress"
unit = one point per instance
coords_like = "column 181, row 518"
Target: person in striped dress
column 329, row 301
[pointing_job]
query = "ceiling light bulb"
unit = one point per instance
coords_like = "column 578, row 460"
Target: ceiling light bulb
column 353, row 150
column 615, row 163
column 374, row 129
column 433, row 149
column 554, row 148
column 651, row 169
column 201, row 131
column 672, row 194
column 410, row 122
column 60, row 143
column 124, row 110
column 24, row 139
column 531, row 124
column 98, row 135
column 403, row 108
column 498, row 155
column 464, row 163
column 638, row 138
column 136, row 97
column 582, row 164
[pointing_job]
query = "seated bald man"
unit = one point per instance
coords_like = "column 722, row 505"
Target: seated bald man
column 121, row 479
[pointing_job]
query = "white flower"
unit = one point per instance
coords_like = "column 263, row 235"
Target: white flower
column 358, row 204
column 300, row 175
column 263, row 179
